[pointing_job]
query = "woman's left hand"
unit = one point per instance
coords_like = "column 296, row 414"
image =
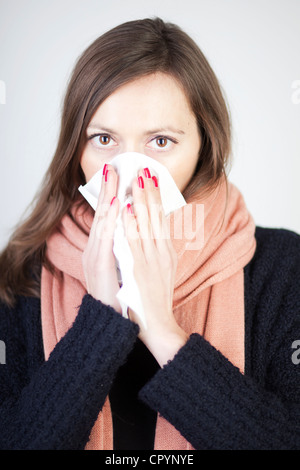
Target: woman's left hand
column 155, row 263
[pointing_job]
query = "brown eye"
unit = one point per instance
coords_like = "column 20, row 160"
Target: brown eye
column 104, row 139
column 161, row 141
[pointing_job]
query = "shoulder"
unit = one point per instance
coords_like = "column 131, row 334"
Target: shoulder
column 277, row 254
column 275, row 239
column 272, row 281
column 272, row 277
column 20, row 332
column 14, row 321
column 22, row 305
column 272, row 296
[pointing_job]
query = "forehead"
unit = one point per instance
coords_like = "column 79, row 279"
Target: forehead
column 152, row 100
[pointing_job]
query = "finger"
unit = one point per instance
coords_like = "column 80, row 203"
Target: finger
column 99, row 249
column 101, row 193
column 99, row 205
column 106, row 224
column 142, row 216
column 131, row 231
column 107, row 192
column 105, row 233
column 158, row 222
column 154, row 205
column 108, row 189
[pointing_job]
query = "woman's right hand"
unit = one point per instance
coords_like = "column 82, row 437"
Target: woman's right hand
column 98, row 259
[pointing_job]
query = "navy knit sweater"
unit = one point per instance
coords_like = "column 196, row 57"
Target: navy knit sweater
column 54, row 404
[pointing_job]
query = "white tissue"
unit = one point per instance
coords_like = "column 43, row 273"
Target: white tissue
column 127, row 166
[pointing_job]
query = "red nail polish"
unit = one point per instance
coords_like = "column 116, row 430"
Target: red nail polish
column 155, row 181
column 112, row 201
column 147, row 173
column 141, row 182
column 129, row 209
column 104, row 169
column 106, row 176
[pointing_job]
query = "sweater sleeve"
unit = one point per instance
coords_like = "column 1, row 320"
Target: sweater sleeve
column 59, row 405
column 210, row 401
column 214, row 406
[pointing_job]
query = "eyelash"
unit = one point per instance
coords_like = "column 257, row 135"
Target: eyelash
column 171, row 139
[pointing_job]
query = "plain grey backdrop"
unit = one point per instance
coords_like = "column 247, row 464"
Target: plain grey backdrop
column 253, row 47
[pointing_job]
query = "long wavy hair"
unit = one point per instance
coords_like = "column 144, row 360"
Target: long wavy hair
column 126, row 52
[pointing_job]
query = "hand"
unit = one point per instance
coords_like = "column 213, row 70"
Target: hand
column 155, row 263
column 98, row 259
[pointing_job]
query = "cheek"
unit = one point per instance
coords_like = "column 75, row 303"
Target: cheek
column 189, row 164
column 89, row 164
column 182, row 178
column 183, row 171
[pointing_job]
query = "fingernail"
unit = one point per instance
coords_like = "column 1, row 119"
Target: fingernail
column 112, row 201
column 106, row 176
column 155, row 181
column 129, row 209
column 104, row 169
column 141, row 182
column 147, row 173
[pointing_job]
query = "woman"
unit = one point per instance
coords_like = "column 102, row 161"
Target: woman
column 213, row 368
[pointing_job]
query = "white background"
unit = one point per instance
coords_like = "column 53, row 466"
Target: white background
column 253, row 47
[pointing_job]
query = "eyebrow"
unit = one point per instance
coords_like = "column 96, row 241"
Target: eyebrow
column 98, row 127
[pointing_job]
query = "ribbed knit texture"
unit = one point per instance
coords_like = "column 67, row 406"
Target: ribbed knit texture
column 54, row 404
column 204, row 396
column 55, row 407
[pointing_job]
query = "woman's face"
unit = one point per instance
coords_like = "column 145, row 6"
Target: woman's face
column 150, row 115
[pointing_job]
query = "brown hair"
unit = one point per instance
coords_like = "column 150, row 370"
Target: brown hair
column 126, row 52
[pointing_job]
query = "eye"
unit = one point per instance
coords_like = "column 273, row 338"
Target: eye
column 102, row 140
column 162, row 142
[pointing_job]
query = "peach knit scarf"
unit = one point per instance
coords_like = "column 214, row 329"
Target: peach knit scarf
column 208, row 295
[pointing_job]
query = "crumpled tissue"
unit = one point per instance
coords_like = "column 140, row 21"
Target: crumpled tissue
column 127, row 166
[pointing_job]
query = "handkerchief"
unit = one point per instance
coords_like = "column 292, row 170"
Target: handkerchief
column 127, row 166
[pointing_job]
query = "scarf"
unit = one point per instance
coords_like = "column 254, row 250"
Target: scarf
column 208, row 294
